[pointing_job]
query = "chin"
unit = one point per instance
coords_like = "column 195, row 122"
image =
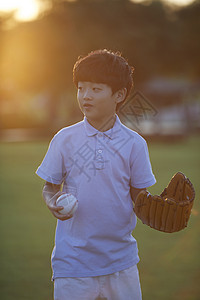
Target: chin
column 91, row 115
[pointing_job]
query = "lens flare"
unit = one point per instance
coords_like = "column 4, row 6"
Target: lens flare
column 24, row 10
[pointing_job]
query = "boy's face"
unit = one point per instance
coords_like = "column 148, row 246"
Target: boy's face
column 96, row 101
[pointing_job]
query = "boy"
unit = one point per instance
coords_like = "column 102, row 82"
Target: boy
column 104, row 165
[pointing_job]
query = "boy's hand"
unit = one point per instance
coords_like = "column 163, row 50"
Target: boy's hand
column 135, row 192
column 51, row 192
column 55, row 209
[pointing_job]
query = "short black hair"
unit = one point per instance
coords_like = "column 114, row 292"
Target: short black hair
column 104, row 66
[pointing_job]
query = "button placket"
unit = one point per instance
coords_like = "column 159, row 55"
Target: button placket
column 99, row 155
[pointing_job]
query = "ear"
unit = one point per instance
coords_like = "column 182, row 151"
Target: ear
column 120, row 95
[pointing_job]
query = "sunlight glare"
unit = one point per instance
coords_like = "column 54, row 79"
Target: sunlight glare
column 25, row 10
column 179, row 2
column 175, row 2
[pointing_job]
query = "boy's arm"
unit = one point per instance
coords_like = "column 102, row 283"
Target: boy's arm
column 50, row 194
column 134, row 192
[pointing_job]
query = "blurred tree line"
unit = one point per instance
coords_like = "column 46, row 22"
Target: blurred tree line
column 39, row 55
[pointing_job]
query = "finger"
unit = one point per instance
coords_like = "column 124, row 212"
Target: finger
column 55, row 208
column 57, row 195
column 55, row 198
column 58, row 208
column 61, row 217
column 64, row 218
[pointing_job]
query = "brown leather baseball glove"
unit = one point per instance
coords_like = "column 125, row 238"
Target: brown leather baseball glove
column 170, row 211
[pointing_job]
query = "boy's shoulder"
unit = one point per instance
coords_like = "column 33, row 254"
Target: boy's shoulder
column 134, row 136
column 68, row 132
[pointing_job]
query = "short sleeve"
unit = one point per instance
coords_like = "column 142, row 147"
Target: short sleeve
column 52, row 167
column 141, row 170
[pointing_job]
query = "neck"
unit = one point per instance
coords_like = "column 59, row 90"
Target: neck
column 103, row 125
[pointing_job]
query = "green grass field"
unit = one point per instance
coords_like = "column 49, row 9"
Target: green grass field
column 170, row 263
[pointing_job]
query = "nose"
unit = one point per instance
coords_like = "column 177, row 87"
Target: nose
column 87, row 95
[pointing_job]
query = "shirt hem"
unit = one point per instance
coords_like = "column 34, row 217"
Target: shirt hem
column 95, row 273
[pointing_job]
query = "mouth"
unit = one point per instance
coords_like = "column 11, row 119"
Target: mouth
column 87, row 105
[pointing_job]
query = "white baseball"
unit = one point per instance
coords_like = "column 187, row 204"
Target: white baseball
column 69, row 202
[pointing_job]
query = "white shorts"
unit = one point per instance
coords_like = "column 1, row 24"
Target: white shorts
column 123, row 285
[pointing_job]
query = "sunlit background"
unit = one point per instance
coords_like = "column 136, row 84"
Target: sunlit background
column 41, row 40
column 26, row 10
column 29, row 9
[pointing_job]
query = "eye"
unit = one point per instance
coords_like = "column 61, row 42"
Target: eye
column 97, row 89
column 80, row 88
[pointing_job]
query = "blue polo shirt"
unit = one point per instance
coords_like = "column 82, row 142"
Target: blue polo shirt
column 98, row 168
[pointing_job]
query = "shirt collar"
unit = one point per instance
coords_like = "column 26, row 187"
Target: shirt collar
column 91, row 131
